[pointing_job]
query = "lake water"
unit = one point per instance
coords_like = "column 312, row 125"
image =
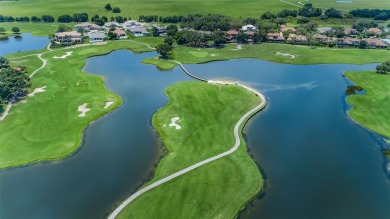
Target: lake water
column 318, row 162
column 26, row 43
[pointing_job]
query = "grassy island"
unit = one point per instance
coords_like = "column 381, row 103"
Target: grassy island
column 206, row 115
column 372, row 109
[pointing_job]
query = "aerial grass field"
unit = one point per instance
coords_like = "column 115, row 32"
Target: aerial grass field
column 372, row 109
column 208, row 114
column 47, row 126
column 346, row 4
column 268, row 51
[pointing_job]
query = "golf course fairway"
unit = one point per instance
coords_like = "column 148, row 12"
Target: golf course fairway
column 197, row 124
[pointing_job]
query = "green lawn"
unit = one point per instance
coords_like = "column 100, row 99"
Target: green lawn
column 374, row 4
column 47, row 126
column 372, row 109
column 207, row 114
column 134, row 8
column 36, row 29
column 267, row 51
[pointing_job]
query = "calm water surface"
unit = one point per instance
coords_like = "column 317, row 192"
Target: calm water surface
column 319, row 163
column 26, row 43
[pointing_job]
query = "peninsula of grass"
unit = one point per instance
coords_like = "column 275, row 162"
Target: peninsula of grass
column 208, row 114
column 372, row 110
column 47, row 126
column 304, row 55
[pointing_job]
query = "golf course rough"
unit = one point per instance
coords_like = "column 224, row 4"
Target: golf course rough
column 208, row 114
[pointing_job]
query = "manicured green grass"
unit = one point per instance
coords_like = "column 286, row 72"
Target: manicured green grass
column 372, row 109
column 207, row 114
column 36, row 29
column 267, row 51
column 375, row 4
column 47, row 126
column 134, row 8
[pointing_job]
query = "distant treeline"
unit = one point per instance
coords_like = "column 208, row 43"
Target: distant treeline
column 77, row 17
column 377, row 14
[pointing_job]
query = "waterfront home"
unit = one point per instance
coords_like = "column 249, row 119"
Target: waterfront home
column 96, row 36
column 67, row 37
column 320, row 37
column 86, row 26
column 375, row 43
column 249, row 27
column 283, row 28
column 299, row 39
column 375, row 31
column 139, row 31
column 348, row 41
column 120, row 34
column 131, row 23
column 275, row 38
column 324, row 30
column 231, row 35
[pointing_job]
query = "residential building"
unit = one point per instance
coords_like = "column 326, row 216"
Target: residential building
column 231, row 35
column 120, row 34
column 299, row 39
column 249, row 27
column 131, row 23
column 113, row 24
column 283, row 28
column 375, row 43
column 96, row 36
column 320, row 37
column 350, row 32
column 324, row 30
column 375, row 31
column 348, row 41
column 86, row 26
column 67, row 37
column 275, row 38
column 139, row 31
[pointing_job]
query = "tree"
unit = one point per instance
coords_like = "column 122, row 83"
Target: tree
column 65, row 18
column 383, row 68
column 108, row 7
column 47, row 18
column 64, row 28
column 116, row 10
column 169, row 40
column 333, row 13
column 15, row 29
column 2, row 30
column 309, row 11
column 219, row 37
column 80, row 17
column 171, row 30
column 242, row 37
column 163, row 50
column 112, row 35
column 362, row 44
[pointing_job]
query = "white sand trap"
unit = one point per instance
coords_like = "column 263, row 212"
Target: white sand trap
column 238, row 47
column 64, row 56
column 213, row 54
column 37, row 90
column 285, row 54
column 83, row 109
column 108, row 104
column 173, row 122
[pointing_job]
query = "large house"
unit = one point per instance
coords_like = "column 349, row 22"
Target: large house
column 95, row 36
column 113, row 24
column 67, row 37
column 275, row 38
column 139, row 31
column 350, row 32
column 86, row 26
column 120, row 34
column 131, row 23
column 348, row 41
column 249, row 27
column 299, row 39
column 320, row 37
column 231, row 35
column 283, row 28
column 324, row 30
column 375, row 31
column 375, row 43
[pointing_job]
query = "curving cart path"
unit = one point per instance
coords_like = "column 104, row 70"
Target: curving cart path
column 247, row 115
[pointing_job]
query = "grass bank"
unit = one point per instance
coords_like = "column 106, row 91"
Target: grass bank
column 271, row 52
column 47, row 126
column 372, row 109
column 208, row 114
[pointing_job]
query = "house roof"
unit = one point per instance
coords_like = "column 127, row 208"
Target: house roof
column 284, row 28
column 70, row 33
column 374, row 30
column 119, row 32
column 138, row 29
column 375, row 41
column 348, row 31
column 324, row 29
column 232, row 32
column 275, row 36
column 85, row 24
column 320, row 36
column 292, row 36
column 96, row 35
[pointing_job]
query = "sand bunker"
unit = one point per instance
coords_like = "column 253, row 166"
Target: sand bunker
column 108, row 104
column 37, row 90
column 285, row 54
column 238, row 47
column 173, row 122
column 213, row 54
column 64, row 56
column 83, row 109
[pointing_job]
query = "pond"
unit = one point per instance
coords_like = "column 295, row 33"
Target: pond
column 26, row 43
column 318, row 162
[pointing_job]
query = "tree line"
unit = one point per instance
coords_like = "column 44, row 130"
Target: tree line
column 14, row 83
